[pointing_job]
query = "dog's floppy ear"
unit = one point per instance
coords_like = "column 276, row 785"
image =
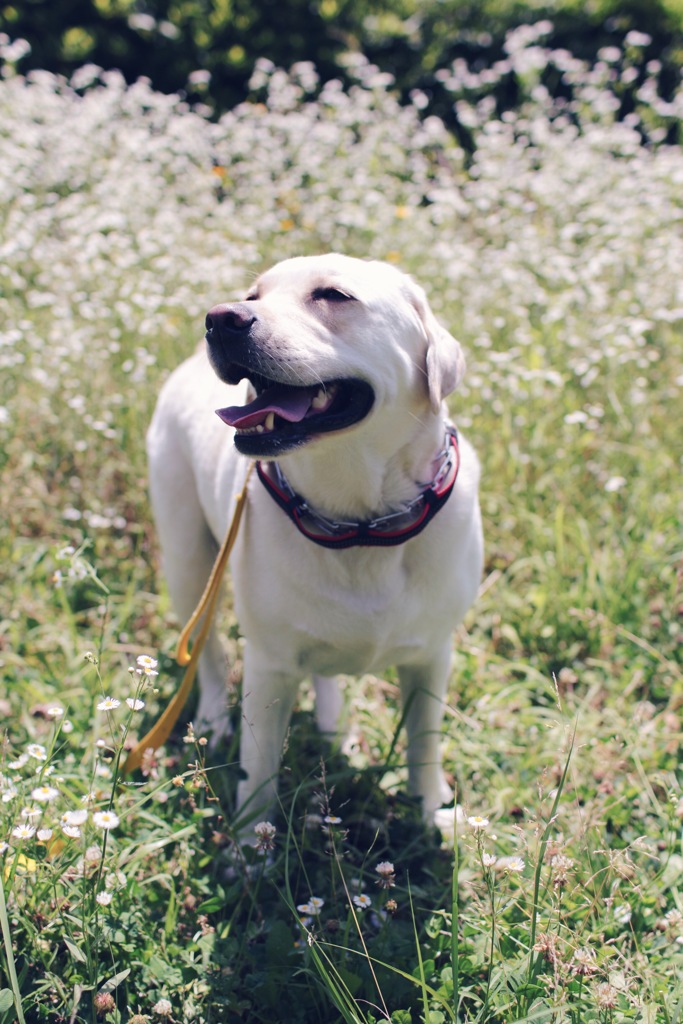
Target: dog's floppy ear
column 445, row 363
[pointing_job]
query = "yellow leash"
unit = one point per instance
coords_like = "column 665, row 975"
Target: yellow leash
column 160, row 732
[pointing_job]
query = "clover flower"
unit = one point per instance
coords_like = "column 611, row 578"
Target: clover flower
column 560, row 867
column 546, row 945
column 606, row 996
column 265, row 836
column 387, row 874
column 115, row 880
column 584, row 961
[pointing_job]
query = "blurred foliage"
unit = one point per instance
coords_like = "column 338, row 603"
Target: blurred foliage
column 207, row 49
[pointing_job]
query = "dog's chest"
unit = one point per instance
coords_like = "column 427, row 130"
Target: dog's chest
column 351, row 616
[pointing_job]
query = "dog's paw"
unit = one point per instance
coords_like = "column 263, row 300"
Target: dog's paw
column 446, row 794
column 450, row 822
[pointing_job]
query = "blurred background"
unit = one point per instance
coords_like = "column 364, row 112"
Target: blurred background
column 206, row 50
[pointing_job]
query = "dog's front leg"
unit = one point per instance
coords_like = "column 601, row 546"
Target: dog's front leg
column 329, row 705
column 268, row 695
column 423, row 691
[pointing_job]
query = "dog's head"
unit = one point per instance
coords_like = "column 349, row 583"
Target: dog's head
column 327, row 342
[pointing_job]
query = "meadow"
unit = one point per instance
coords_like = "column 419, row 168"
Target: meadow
column 554, row 252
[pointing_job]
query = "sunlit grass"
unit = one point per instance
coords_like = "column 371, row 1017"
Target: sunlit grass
column 554, row 255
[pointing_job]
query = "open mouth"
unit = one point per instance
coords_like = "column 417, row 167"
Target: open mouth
column 284, row 416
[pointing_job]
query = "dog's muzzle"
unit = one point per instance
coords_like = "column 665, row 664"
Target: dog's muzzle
column 284, row 414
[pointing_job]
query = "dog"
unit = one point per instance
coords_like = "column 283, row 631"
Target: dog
column 361, row 544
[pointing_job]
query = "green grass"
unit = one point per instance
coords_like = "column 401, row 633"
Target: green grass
column 557, row 265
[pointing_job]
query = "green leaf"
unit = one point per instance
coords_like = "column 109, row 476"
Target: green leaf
column 110, row 985
column 212, row 905
column 76, row 953
column 6, row 1000
column 401, row 1017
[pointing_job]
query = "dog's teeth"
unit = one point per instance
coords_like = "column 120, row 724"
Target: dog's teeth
column 270, row 421
column 320, row 400
column 259, row 428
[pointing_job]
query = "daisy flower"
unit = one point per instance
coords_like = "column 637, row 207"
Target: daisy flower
column 363, row 901
column 36, row 750
column 104, row 898
column 135, row 704
column 105, row 819
column 74, row 818
column 515, row 864
column 475, row 821
column 45, row 794
column 313, row 907
column 146, row 666
column 24, row 831
column 108, row 704
column 146, row 661
column 71, row 831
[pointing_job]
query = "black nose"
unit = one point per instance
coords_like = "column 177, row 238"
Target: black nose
column 229, row 321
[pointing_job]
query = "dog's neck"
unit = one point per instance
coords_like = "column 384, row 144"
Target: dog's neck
column 346, row 477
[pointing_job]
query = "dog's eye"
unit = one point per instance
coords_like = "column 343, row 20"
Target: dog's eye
column 332, row 295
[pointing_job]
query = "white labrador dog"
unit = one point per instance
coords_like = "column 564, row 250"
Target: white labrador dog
column 361, row 545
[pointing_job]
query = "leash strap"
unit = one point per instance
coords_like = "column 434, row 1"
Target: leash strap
column 162, row 729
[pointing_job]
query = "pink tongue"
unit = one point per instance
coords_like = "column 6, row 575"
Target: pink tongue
column 291, row 404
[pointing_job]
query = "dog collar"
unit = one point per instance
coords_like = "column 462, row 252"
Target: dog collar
column 383, row 531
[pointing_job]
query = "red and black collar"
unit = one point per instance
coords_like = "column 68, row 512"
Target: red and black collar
column 384, row 531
